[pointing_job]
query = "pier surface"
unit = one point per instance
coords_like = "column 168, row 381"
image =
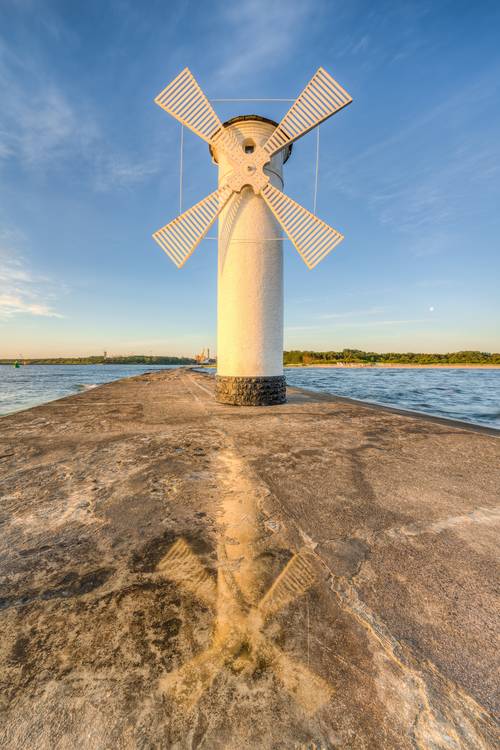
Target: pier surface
column 176, row 573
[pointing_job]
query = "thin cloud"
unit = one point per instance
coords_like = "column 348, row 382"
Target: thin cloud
column 117, row 171
column 42, row 129
column 46, row 127
column 436, row 283
column 23, row 292
column 256, row 35
column 370, row 41
column 434, row 193
column 352, row 313
column 376, row 323
column 11, row 305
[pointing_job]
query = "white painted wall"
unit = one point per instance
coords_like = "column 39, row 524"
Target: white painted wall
column 250, row 273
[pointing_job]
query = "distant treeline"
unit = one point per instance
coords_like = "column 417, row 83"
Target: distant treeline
column 136, row 359
column 296, row 357
column 351, row 356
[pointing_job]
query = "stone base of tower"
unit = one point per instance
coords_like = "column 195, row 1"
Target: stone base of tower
column 258, row 391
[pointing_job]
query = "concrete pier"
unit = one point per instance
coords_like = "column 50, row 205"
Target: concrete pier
column 177, row 573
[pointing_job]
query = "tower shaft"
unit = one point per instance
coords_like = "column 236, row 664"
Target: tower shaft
column 250, row 284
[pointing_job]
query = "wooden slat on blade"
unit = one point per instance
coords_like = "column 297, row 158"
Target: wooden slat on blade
column 181, row 236
column 321, row 98
column 312, row 238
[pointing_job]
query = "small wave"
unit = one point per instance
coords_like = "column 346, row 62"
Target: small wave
column 84, row 386
column 486, row 414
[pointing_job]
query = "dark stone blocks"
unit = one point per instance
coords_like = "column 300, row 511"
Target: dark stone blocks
column 259, row 391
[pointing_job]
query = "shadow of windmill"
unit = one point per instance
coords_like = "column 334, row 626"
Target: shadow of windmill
column 240, row 643
column 228, row 226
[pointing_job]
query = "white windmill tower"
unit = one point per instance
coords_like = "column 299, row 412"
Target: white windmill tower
column 250, row 152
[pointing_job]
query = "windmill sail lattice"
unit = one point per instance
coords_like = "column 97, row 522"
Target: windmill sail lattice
column 321, row 98
column 181, row 237
column 312, row 238
column 184, row 100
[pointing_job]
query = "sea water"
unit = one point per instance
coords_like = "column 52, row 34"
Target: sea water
column 471, row 395
column 30, row 385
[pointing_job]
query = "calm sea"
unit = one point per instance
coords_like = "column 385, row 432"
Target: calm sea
column 30, row 385
column 465, row 394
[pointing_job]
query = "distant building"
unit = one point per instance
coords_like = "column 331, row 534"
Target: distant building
column 203, row 358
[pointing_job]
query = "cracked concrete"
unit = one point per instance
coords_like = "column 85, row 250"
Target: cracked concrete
column 394, row 635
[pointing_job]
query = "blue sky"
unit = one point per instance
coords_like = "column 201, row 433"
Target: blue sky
column 89, row 168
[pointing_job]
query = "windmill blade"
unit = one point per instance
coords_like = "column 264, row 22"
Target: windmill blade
column 313, row 239
column 184, row 100
column 181, row 565
column 320, row 99
column 296, row 577
column 181, row 236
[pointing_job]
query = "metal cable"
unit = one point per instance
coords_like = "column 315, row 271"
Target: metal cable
column 316, row 174
column 251, row 100
column 181, row 168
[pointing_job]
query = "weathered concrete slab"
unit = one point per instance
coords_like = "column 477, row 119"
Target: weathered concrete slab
column 144, row 534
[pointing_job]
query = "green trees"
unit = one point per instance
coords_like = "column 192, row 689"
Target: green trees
column 294, row 357
column 136, row 359
column 356, row 356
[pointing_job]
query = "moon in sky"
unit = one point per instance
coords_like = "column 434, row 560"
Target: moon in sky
column 431, row 309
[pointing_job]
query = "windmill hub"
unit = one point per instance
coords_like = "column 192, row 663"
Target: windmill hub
column 248, row 170
column 250, row 152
